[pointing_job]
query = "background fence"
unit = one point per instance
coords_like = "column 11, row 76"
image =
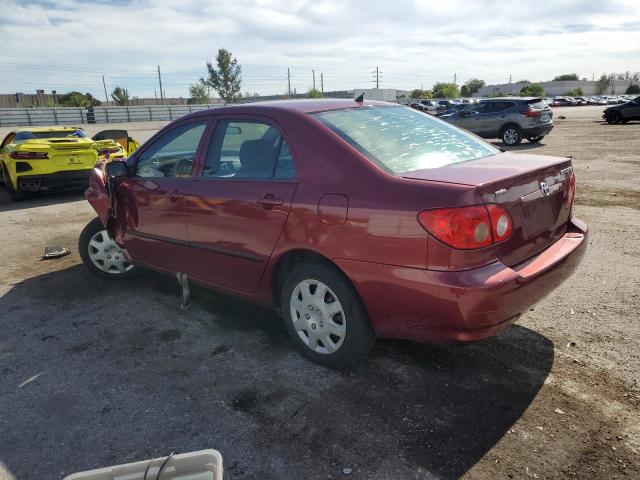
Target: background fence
column 10, row 117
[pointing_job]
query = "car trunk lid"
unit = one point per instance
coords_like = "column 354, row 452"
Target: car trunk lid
column 532, row 188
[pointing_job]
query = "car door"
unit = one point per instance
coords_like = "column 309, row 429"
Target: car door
column 471, row 117
column 631, row 111
column 238, row 207
column 151, row 199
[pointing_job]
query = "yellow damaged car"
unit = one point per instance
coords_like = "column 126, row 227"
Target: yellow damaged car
column 45, row 159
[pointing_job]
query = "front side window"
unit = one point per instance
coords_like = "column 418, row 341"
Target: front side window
column 248, row 149
column 173, row 154
column 400, row 139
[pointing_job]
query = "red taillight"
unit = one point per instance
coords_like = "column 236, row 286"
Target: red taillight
column 28, row 155
column 571, row 191
column 532, row 113
column 501, row 223
column 468, row 227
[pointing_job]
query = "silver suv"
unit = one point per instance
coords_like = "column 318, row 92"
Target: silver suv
column 509, row 118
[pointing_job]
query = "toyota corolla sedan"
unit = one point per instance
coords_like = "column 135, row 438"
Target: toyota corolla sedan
column 355, row 220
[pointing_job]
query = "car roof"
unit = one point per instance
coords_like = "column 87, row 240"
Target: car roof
column 297, row 105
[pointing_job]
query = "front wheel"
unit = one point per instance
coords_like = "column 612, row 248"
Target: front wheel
column 511, row 135
column 614, row 117
column 324, row 316
column 101, row 254
column 535, row 139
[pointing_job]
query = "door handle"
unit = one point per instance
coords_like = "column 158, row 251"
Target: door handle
column 173, row 195
column 269, row 201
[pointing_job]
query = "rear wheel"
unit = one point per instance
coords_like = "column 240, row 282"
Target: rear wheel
column 511, row 135
column 535, row 139
column 15, row 194
column 324, row 316
column 101, row 254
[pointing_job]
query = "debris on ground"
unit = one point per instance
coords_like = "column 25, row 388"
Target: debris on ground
column 51, row 253
column 557, row 410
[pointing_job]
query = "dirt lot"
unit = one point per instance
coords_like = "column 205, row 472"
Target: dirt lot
column 96, row 373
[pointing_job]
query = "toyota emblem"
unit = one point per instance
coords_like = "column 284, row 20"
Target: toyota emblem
column 544, row 188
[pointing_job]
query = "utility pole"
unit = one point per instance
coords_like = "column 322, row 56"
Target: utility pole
column 155, row 93
column 321, row 83
column 377, row 80
column 509, row 78
column 288, row 82
column 455, row 78
column 313, row 72
column 421, row 86
column 161, row 92
column 106, row 97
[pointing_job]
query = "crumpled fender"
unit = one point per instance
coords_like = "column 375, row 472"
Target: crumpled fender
column 100, row 197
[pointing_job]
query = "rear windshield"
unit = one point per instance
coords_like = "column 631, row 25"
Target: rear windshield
column 45, row 135
column 400, row 139
column 537, row 104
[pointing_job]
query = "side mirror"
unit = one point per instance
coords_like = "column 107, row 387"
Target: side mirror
column 116, row 168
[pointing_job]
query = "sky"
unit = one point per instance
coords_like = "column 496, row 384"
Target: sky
column 69, row 44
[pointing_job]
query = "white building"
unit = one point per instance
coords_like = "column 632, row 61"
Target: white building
column 551, row 89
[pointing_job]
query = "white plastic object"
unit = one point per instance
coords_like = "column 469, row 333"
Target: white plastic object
column 200, row 465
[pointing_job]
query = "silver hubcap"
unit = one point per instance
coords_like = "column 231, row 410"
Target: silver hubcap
column 107, row 255
column 510, row 136
column 318, row 316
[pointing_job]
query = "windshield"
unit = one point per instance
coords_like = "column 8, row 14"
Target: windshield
column 52, row 134
column 400, row 139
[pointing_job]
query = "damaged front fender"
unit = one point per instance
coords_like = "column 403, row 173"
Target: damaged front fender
column 101, row 196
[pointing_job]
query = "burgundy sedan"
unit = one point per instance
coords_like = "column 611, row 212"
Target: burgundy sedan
column 355, row 220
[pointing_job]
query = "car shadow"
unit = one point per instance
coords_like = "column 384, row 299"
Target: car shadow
column 522, row 146
column 36, row 199
column 96, row 373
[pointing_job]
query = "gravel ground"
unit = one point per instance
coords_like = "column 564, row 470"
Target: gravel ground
column 95, row 373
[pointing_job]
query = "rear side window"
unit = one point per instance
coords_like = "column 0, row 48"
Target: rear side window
column 248, row 149
column 400, row 139
column 173, row 154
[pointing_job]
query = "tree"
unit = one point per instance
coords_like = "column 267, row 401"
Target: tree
column 313, row 93
column 446, row 90
column 603, row 84
column 523, row 81
column 473, row 85
column 77, row 99
column 532, row 90
column 419, row 93
column 575, row 92
column 226, row 78
column 120, row 96
column 566, row 77
column 464, row 91
column 632, row 90
column 198, row 94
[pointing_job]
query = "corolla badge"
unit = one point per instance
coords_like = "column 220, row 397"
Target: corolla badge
column 544, row 188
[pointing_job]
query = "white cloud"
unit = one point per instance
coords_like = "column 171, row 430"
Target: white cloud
column 68, row 43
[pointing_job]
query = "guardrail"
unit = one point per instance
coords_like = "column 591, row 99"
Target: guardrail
column 10, row 117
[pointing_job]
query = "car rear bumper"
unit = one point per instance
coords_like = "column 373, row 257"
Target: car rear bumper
column 537, row 131
column 462, row 306
column 58, row 181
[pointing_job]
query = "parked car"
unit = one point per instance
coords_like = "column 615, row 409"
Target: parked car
column 40, row 159
column 442, row 105
column 623, row 113
column 509, row 118
column 425, row 106
column 564, row 102
column 457, row 107
column 355, row 220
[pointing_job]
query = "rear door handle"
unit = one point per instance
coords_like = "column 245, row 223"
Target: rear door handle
column 173, row 195
column 269, row 201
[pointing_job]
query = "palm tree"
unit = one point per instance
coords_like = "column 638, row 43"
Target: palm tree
column 120, row 96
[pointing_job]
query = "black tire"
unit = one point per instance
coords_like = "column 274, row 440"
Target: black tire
column 16, row 196
column 94, row 227
column 359, row 336
column 535, row 139
column 614, row 117
column 511, row 135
